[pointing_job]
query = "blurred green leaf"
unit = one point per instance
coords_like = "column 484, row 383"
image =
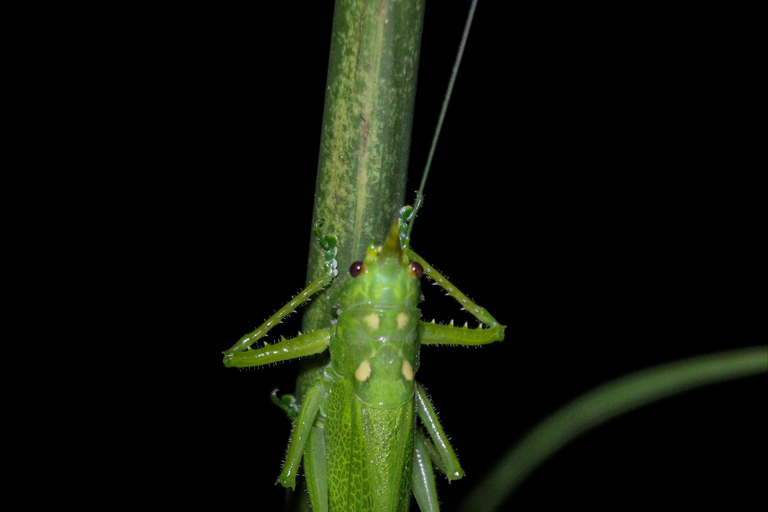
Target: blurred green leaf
column 602, row 404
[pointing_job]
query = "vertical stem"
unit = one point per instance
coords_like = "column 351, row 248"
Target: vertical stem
column 366, row 131
column 365, row 138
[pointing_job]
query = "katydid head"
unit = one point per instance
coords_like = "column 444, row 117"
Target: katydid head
column 385, row 278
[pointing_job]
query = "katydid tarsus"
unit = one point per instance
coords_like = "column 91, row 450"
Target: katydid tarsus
column 356, row 433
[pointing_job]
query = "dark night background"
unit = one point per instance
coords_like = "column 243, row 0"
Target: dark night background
column 581, row 191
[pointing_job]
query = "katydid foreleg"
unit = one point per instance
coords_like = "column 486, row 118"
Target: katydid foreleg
column 288, row 348
column 240, row 354
column 436, row 334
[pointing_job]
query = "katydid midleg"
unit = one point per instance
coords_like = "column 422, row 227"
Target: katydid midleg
column 355, row 428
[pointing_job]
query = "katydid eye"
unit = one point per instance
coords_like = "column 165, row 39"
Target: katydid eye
column 416, row 270
column 356, row 269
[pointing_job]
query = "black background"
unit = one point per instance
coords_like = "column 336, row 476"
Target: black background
column 578, row 193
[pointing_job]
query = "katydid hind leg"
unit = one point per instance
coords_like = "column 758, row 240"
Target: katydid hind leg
column 434, row 455
column 302, row 429
column 316, row 469
column 423, row 477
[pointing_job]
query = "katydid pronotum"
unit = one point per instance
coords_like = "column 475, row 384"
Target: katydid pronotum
column 356, row 431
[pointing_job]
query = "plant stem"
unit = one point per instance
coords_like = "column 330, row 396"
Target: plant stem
column 365, row 140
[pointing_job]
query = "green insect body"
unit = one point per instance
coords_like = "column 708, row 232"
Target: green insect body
column 355, row 429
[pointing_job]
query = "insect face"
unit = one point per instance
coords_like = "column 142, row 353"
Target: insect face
column 386, row 278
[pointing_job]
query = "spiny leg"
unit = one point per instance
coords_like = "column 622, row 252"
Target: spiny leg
column 302, row 345
column 475, row 310
column 306, row 344
column 448, row 463
column 249, row 339
column 432, row 333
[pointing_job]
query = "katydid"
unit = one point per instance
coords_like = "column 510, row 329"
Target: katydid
column 356, row 431
column 355, row 428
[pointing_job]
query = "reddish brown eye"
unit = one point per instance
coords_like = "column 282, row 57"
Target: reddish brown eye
column 416, row 270
column 356, row 269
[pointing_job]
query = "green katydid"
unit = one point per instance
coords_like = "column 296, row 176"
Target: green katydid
column 355, row 430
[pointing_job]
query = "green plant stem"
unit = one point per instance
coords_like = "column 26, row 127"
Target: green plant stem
column 365, row 140
column 604, row 403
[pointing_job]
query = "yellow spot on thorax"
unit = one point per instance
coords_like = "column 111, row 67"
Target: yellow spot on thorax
column 372, row 320
column 407, row 370
column 402, row 320
column 363, row 371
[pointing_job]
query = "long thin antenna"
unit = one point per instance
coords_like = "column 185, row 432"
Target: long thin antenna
column 454, row 72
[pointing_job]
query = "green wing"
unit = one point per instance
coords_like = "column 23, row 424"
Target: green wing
column 370, row 452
